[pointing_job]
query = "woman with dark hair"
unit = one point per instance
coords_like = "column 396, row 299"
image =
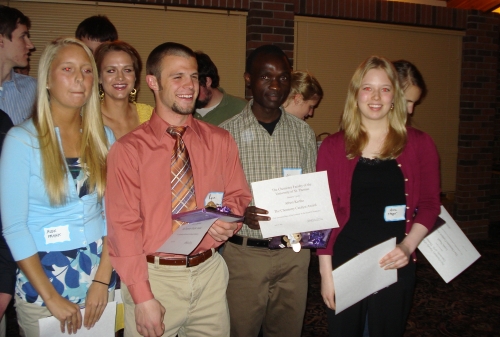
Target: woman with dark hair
column 376, row 164
column 52, row 181
column 119, row 66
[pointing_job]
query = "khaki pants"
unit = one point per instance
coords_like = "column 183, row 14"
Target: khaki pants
column 266, row 288
column 194, row 299
column 28, row 315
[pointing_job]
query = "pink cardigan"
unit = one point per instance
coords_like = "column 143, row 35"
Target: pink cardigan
column 419, row 163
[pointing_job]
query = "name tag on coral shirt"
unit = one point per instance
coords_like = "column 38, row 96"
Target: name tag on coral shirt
column 215, row 197
column 56, row 234
column 395, row 213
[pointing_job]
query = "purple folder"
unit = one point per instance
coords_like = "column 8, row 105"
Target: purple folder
column 205, row 214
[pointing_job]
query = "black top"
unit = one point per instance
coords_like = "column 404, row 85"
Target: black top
column 270, row 126
column 376, row 184
column 7, row 265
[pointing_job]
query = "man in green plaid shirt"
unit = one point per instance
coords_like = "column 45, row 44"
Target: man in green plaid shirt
column 267, row 288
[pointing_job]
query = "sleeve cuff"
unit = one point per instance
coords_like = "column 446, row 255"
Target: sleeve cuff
column 21, row 245
column 324, row 251
column 140, row 292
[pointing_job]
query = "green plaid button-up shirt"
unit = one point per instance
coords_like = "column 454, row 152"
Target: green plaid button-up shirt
column 264, row 156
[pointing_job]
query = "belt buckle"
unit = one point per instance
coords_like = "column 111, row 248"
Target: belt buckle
column 188, row 261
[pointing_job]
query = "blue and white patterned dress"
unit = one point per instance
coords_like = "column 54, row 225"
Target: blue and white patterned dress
column 71, row 272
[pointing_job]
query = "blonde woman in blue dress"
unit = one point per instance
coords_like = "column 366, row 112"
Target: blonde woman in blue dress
column 52, row 181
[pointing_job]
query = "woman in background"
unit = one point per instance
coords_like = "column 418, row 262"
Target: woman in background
column 52, row 181
column 119, row 66
column 411, row 82
column 305, row 95
column 376, row 164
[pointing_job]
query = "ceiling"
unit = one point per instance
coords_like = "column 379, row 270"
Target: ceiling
column 482, row 5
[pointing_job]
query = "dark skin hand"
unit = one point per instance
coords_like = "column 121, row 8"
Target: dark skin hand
column 252, row 216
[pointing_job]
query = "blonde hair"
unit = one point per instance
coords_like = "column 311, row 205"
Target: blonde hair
column 94, row 146
column 355, row 135
column 306, row 85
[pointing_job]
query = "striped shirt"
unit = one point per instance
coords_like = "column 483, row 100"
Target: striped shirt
column 17, row 97
column 263, row 156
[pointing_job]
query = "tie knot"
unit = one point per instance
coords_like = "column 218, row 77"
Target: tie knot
column 176, row 130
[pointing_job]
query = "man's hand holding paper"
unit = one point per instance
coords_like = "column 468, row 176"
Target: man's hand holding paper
column 253, row 216
column 221, row 230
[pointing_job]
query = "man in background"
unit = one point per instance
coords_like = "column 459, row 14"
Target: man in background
column 17, row 97
column 213, row 104
column 17, row 91
column 95, row 30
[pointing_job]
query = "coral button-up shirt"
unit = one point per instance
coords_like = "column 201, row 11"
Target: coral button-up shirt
column 138, row 196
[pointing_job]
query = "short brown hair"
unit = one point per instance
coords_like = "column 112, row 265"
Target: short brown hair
column 153, row 64
column 9, row 19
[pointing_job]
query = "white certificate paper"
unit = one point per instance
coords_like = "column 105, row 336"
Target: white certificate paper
column 362, row 275
column 297, row 203
column 447, row 248
column 105, row 327
column 185, row 239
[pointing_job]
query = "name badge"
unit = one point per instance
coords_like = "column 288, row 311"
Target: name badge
column 395, row 213
column 291, row 172
column 56, row 234
column 214, row 197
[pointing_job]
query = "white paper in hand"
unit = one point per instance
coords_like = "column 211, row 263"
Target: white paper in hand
column 296, row 203
column 105, row 327
column 362, row 275
column 186, row 238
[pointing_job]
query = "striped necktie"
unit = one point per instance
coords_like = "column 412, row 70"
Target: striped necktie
column 181, row 175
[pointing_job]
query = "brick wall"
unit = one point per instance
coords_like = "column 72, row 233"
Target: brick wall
column 495, row 178
column 477, row 198
column 384, row 11
column 271, row 22
column 478, row 103
column 214, row 4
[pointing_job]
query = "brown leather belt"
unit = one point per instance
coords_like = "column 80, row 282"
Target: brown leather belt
column 188, row 261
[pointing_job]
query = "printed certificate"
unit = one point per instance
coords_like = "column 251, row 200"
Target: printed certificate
column 297, row 203
column 447, row 248
column 186, row 238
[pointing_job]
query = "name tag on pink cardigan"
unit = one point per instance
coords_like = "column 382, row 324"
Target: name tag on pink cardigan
column 394, row 213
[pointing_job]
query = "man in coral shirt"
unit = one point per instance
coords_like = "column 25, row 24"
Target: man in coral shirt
column 166, row 294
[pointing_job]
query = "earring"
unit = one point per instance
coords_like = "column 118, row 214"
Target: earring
column 101, row 93
column 131, row 96
column 392, row 106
